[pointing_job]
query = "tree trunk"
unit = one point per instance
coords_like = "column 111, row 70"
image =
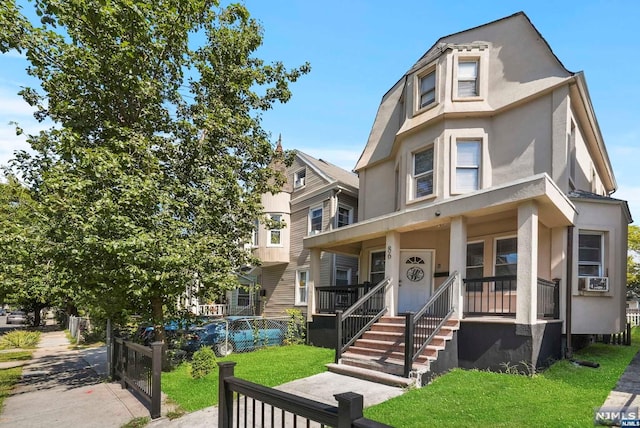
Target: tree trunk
column 158, row 319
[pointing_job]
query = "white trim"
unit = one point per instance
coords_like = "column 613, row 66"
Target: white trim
column 481, row 57
column 495, row 249
column 602, row 269
column 371, row 251
column 344, row 268
column 297, row 288
column 417, row 78
column 311, row 210
column 347, row 207
column 297, row 182
column 484, row 171
column 268, row 243
column 412, row 188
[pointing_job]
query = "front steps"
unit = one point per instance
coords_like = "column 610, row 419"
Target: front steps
column 380, row 351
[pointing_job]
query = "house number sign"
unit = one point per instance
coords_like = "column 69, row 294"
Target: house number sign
column 415, row 274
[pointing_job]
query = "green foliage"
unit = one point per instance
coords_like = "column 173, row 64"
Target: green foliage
column 268, row 366
column 140, row 422
column 633, row 261
column 562, row 396
column 8, row 378
column 296, row 327
column 203, row 362
column 15, row 356
column 157, row 161
column 20, row 339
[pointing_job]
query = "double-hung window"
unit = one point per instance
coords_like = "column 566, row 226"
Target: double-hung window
column 275, row 232
column 344, row 215
column 315, row 220
column 468, row 78
column 423, row 173
column 299, row 178
column 427, row 89
column 343, row 276
column 467, row 166
column 507, row 261
column 590, row 254
column 302, row 277
column 475, row 265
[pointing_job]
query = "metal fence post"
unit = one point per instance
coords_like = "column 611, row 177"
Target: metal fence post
column 124, row 364
column 349, row 408
column 556, row 300
column 109, row 349
column 408, row 343
column 225, row 395
column 338, row 335
column 156, row 373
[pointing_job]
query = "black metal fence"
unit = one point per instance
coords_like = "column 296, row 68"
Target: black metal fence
column 495, row 295
column 339, row 297
column 421, row 327
column 548, row 299
column 259, row 406
column 139, row 368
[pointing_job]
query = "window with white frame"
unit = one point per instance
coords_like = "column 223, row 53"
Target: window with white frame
column 423, row 173
column 376, row 267
column 344, row 216
column 275, row 231
column 475, row 265
column 468, row 78
column 590, row 254
column 302, row 278
column 315, row 220
column 343, row 276
column 468, row 159
column 254, row 233
column 506, row 256
column 427, row 84
column 299, row 178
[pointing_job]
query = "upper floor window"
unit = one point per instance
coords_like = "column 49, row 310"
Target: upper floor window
column 275, row 232
column 468, row 78
column 467, row 177
column 299, row 178
column 344, row 216
column 423, row 173
column 302, row 277
column 590, row 254
column 427, row 89
column 315, row 220
column 254, row 233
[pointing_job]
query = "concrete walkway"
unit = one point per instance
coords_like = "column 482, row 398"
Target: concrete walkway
column 64, row 387
column 627, row 391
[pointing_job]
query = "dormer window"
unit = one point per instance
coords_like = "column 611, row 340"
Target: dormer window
column 299, row 178
column 427, row 89
column 468, row 78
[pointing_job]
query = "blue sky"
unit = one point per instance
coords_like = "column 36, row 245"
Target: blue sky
column 358, row 49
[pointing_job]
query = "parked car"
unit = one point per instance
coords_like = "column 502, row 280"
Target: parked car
column 16, row 317
column 235, row 334
column 3, row 312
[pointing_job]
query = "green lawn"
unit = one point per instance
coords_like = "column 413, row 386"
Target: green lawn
column 565, row 395
column 270, row 367
column 9, row 377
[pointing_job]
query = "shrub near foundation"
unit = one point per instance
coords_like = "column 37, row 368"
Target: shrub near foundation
column 203, row 363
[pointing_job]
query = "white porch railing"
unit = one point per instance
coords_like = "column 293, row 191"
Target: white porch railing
column 633, row 317
column 212, row 310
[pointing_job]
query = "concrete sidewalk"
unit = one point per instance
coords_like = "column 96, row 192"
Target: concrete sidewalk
column 627, row 391
column 64, row 387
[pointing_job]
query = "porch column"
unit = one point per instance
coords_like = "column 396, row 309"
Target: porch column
column 527, row 272
column 458, row 261
column 392, row 270
column 314, row 278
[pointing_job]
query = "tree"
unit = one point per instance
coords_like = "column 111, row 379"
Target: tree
column 27, row 276
column 152, row 176
column 633, row 260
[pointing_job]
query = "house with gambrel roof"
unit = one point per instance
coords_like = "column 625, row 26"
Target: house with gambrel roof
column 486, row 230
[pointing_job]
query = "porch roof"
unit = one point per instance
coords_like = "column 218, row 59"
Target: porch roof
column 554, row 210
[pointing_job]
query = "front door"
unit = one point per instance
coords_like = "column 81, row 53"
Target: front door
column 415, row 280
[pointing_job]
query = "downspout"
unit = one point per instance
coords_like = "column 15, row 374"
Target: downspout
column 334, row 225
column 569, row 289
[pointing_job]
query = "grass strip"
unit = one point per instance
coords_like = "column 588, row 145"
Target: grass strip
column 269, row 367
column 564, row 395
column 9, row 377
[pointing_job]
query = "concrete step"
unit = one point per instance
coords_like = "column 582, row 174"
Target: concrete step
column 385, row 355
column 389, row 365
column 370, row 375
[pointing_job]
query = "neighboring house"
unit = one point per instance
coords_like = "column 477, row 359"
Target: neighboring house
column 485, row 183
column 317, row 197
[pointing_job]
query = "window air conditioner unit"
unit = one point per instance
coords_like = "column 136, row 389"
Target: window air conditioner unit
column 596, row 283
column 299, row 182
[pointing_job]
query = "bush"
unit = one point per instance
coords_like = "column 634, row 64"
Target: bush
column 20, row 339
column 203, row 362
column 296, row 328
